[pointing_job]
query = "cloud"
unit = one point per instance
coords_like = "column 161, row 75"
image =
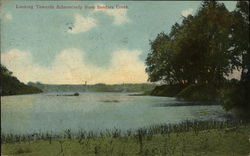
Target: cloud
column 82, row 24
column 125, row 67
column 187, row 12
column 119, row 15
column 6, row 16
column 70, row 67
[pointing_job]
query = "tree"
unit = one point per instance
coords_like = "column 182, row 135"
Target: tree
column 5, row 71
column 10, row 85
column 196, row 51
column 160, row 66
column 204, row 49
column 240, row 39
column 236, row 97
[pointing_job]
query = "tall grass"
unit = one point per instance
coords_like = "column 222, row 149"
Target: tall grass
column 139, row 134
column 186, row 138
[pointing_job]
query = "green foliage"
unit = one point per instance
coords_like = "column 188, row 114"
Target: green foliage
column 167, row 90
column 195, row 50
column 160, row 59
column 198, row 92
column 200, row 52
column 236, row 96
column 10, row 85
column 240, row 39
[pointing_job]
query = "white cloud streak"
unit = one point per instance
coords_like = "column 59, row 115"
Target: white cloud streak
column 69, row 67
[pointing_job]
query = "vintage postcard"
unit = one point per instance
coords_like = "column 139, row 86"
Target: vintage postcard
column 125, row 78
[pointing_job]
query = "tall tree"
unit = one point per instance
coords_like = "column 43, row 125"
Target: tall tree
column 196, row 51
column 240, row 39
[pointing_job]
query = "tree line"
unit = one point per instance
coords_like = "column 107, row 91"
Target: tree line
column 10, row 85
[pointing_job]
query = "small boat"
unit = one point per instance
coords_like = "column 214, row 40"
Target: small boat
column 75, row 94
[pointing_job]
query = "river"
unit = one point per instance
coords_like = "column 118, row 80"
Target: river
column 96, row 111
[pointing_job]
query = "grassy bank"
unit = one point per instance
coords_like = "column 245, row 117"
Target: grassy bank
column 167, row 90
column 199, row 92
column 194, row 92
column 233, row 95
column 188, row 138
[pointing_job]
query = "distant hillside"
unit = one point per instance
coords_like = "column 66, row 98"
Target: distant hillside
column 10, row 85
column 100, row 87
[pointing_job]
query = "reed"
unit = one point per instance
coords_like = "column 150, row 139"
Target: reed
column 161, row 139
column 139, row 134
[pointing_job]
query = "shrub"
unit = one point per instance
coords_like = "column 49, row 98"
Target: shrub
column 199, row 92
column 235, row 97
column 167, row 90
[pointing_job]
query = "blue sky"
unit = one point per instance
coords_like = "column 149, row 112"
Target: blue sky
column 73, row 45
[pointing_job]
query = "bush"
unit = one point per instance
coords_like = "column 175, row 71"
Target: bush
column 236, row 97
column 167, row 90
column 199, row 92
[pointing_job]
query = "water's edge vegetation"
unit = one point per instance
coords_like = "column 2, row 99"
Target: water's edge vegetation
column 186, row 138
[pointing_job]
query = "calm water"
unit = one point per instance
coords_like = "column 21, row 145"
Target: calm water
column 95, row 111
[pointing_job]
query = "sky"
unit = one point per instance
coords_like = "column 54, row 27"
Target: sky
column 45, row 41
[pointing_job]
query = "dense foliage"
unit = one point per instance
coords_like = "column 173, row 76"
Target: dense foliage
column 195, row 51
column 10, row 85
column 202, row 51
